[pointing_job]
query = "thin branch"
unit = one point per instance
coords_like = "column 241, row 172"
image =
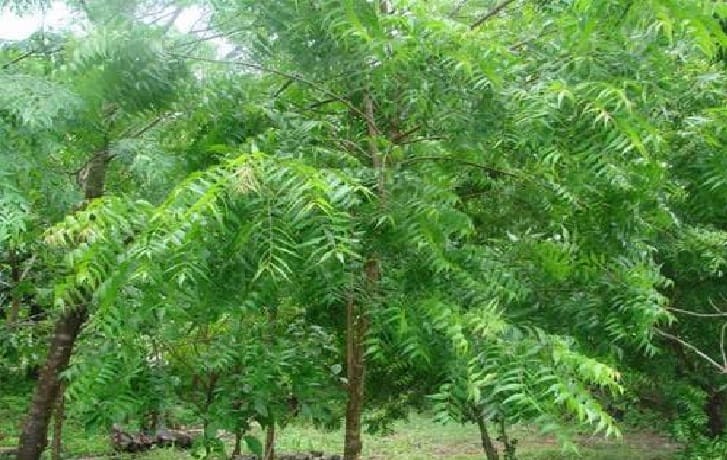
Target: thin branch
column 206, row 38
column 18, row 59
column 283, row 88
column 28, row 54
column 421, row 139
column 463, row 162
column 721, row 345
column 350, row 146
column 721, row 367
column 693, row 313
column 401, row 137
column 144, row 129
column 262, row 68
column 716, row 308
column 538, row 37
column 315, row 105
column 28, row 267
column 490, row 14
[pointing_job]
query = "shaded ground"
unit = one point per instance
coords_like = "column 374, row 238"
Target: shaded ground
column 422, row 439
column 416, row 439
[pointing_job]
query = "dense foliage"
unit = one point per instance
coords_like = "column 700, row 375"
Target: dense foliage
column 500, row 212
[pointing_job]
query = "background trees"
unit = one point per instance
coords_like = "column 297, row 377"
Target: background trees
column 503, row 208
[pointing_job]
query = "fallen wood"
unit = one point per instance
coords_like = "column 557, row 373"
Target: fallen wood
column 124, row 441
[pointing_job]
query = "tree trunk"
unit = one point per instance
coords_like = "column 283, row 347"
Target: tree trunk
column 237, row 450
column 58, row 417
column 16, row 278
column 355, row 373
column 715, row 413
column 34, row 436
column 269, row 453
column 208, row 399
column 487, row 445
column 356, row 315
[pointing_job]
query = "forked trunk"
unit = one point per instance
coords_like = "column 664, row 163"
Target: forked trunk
column 34, row 437
column 487, row 445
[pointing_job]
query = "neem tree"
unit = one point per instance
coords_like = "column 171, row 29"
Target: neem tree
column 480, row 190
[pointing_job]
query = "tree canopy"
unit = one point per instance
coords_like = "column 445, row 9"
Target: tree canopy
column 501, row 212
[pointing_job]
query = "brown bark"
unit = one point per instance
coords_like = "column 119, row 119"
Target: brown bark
column 34, row 437
column 715, row 413
column 269, row 453
column 355, row 373
column 92, row 176
column 58, row 417
column 487, row 445
column 356, row 315
column 16, row 278
column 237, row 450
column 209, row 398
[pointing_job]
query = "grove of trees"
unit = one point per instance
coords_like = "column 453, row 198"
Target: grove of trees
column 498, row 211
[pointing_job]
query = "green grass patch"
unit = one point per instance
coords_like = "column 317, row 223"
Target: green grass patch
column 418, row 438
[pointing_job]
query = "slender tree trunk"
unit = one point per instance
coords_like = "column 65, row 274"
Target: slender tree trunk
column 58, row 417
column 237, row 450
column 208, row 399
column 355, row 373
column 356, row 314
column 270, row 442
column 269, row 452
column 715, row 413
column 16, row 279
column 236, row 406
column 34, row 437
column 487, row 445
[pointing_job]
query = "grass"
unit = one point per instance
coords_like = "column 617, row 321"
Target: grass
column 421, row 439
column 418, row 438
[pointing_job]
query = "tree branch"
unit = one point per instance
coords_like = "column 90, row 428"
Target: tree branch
column 463, row 162
column 18, row 59
column 721, row 367
column 298, row 78
column 493, row 12
column 693, row 313
column 421, row 139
